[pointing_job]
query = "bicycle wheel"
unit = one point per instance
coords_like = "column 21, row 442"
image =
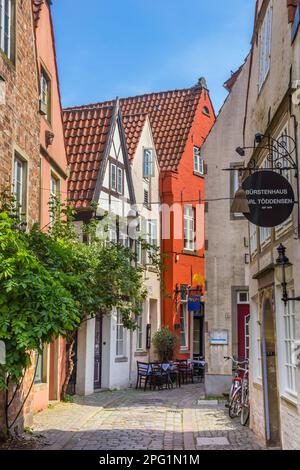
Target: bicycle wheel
column 235, row 404
column 245, row 411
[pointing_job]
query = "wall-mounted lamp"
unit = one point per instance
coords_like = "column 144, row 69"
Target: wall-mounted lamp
column 284, row 273
column 240, row 151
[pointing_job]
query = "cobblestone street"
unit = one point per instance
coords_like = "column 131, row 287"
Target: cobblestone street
column 137, row 420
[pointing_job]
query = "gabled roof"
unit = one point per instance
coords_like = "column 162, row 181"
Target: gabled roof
column 171, row 115
column 86, row 135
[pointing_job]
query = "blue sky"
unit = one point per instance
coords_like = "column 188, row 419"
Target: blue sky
column 128, row 47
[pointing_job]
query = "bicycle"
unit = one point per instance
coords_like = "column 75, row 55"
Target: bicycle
column 238, row 400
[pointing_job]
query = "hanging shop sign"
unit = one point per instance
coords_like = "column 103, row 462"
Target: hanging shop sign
column 270, row 197
column 194, row 303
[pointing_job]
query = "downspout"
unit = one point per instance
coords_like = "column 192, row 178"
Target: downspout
column 265, row 376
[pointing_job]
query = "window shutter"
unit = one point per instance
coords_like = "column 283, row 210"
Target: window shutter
column 205, row 169
column 206, row 207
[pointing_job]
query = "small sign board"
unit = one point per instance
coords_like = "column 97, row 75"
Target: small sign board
column 271, row 198
column 218, row 337
column 194, row 303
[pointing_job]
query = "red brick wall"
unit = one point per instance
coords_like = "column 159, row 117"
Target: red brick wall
column 19, row 129
column 19, row 117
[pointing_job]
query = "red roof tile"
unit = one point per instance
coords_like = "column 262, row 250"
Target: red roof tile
column 133, row 127
column 171, row 115
column 86, row 133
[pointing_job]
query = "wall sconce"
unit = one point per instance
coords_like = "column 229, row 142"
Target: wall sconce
column 49, row 137
column 284, row 274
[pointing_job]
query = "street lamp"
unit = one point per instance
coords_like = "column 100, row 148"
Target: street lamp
column 284, row 273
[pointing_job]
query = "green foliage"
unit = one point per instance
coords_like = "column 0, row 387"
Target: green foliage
column 68, row 399
column 34, row 306
column 50, row 283
column 165, row 343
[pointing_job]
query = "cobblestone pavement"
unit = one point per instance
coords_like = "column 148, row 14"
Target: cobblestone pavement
column 138, row 420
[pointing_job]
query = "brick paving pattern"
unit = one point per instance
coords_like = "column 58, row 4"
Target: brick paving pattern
column 138, row 420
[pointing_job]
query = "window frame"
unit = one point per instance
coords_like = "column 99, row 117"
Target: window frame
column 45, row 105
column 189, row 228
column 148, row 164
column 22, row 203
column 265, row 47
column 120, row 340
column 9, row 49
column 139, row 332
column 184, row 321
column 198, row 161
column 288, row 340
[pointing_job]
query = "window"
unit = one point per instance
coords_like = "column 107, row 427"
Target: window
column 183, row 326
column 139, row 332
column 256, row 343
column 148, row 164
column 120, row 337
column 247, row 336
column 151, row 238
column 234, row 186
column 289, row 344
column 113, row 235
column 113, row 177
column 20, row 184
column 146, row 197
column 120, row 181
column 189, row 228
column 54, row 191
column 243, row 298
column 198, row 161
column 7, row 30
column 205, row 111
column 265, row 47
column 45, row 99
column 38, row 364
column 253, row 238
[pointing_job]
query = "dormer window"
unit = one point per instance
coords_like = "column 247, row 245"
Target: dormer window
column 148, row 163
column 198, row 162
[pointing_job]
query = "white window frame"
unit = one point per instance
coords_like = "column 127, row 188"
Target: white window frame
column 242, row 302
column 45, row 94
column 6, row 20
column 189, row 228
column 148, row 163
column 247, row 336
column 198, row 162
column 184, row 333
column 54, row 191
column 113, row 177
column 139, row 332
column 255, row 328
column 20, row 195
column 120, row 338
column 288, row 339
column 120, row 180
column 265, row 46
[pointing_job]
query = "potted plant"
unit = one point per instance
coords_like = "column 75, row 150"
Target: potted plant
column 165, row 343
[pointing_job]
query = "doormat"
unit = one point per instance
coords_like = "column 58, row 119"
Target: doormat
column 212, row 441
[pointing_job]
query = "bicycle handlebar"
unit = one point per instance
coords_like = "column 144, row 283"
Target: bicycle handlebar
column 246, row 361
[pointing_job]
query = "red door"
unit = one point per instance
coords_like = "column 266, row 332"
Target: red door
column 243, row 311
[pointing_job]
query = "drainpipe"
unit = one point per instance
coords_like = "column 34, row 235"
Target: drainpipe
column 265, row 378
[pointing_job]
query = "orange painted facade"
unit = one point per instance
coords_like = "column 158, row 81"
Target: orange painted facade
column 179, row 188
column 53, row 165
